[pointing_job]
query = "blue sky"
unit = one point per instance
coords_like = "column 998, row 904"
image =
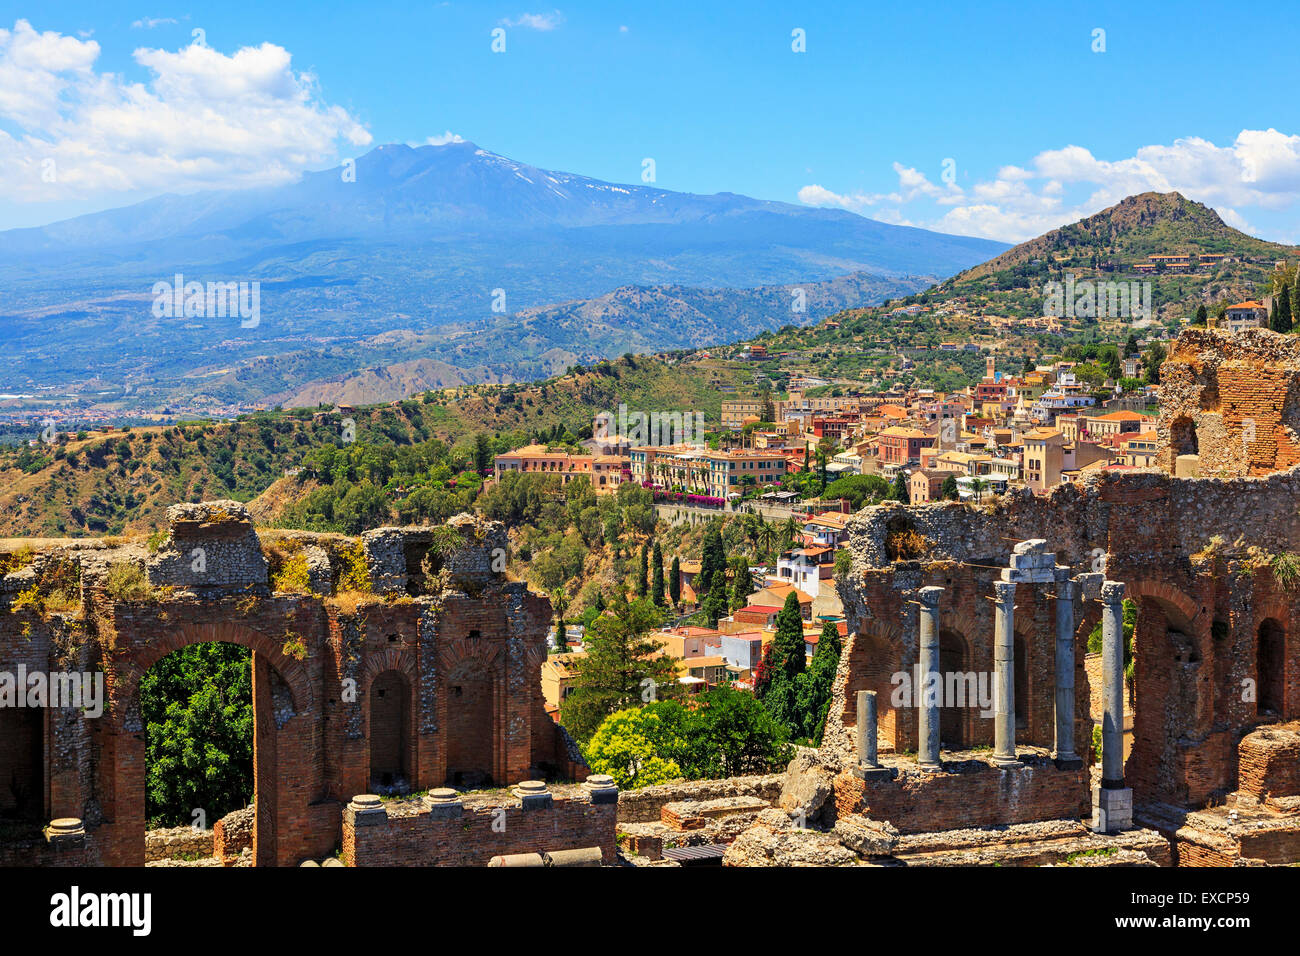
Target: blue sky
column 1031, row 123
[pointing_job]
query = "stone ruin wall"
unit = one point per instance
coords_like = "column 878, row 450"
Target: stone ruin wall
column 1197, row 556
column 463, row 664
column 1232, row 400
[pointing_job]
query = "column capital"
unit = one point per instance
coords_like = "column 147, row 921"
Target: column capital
column 1112, row 592
column 1004, row 591
column 929, row 597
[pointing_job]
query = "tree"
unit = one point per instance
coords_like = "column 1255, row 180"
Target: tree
column 814, row 692
column 731, row 734
column 657, row 586
column 789, row 659
column 675, row 582
column 715, row 602
column 643, row 568
column 898, row 491
column 1202, row 316
column 723, row 733
column 638, row 746
column 742, row 584
column 623, row 662
column 482, row 454
column 1281, row 320
column 197, row 708
column 713, row 559
column 948, row 489
column 1295, row 297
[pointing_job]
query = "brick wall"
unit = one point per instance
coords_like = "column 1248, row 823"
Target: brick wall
column 407, row 833
column 970, row 793
column 1270, row 762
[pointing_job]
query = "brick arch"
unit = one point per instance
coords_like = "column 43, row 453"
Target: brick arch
column 389, row 659
column 393, row 750
column 1153, row 767
column 1164, row 592
column 126, row 675
column 279, row 794
column 464, row 652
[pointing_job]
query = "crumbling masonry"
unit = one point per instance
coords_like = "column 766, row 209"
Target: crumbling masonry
column 1204, row 752
column 430, row 677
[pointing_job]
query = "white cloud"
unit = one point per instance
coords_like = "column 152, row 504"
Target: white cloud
column 148, row 23
column 203, row 119
column 444, row 139
column 1260, row 169
column 536, row 21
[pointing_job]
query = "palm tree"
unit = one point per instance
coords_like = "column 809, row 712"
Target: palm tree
column 978, row 485
column 766, row 535
column 789, row 529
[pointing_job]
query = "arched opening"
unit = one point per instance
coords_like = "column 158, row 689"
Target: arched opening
column 471, row 737
column 1270, row 669
column 196, row 707
column 22, row 768
column 390, row 714
column 1182, row 437
column 954, row 665
column 212, row 715
column 1022, row 683
column 1163, row 674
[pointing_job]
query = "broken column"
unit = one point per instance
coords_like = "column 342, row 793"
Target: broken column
column 1004, row 674
column 1112, row 801
column 868, row 766
column 927, row 748
column 1063, row 750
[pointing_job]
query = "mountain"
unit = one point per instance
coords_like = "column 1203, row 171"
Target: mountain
column 1134, row 228
column 998, row 306
column 432, row 241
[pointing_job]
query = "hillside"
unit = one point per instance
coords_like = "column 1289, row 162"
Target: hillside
column 1110, row 246
column 435, row 242
column 122, row 482
column 548, row 340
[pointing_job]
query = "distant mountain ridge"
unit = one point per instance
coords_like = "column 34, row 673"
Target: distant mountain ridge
column 1135, row 227
column 434, row 239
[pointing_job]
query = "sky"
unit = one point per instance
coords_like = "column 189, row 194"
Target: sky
column 987, row 119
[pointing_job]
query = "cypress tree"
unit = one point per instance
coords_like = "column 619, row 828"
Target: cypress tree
column 713, row 559
column 1202, row 316
column 675, row 582
column 742, row 584
column 715, row 604
column 1282, row 311
column 787, row 667
column 657, row 587
column 642, row 570
column 899, row 490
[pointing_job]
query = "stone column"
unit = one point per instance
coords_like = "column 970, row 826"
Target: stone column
column 1063, row 751
column 931, row 689
column 1112, row 801
column 868, row 766
column 1004, row 674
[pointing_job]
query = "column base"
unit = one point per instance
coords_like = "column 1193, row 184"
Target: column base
column 1068, row 763
column 929, row 767
column 1006, row 762
column 872, row 773
column 1112, row 810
